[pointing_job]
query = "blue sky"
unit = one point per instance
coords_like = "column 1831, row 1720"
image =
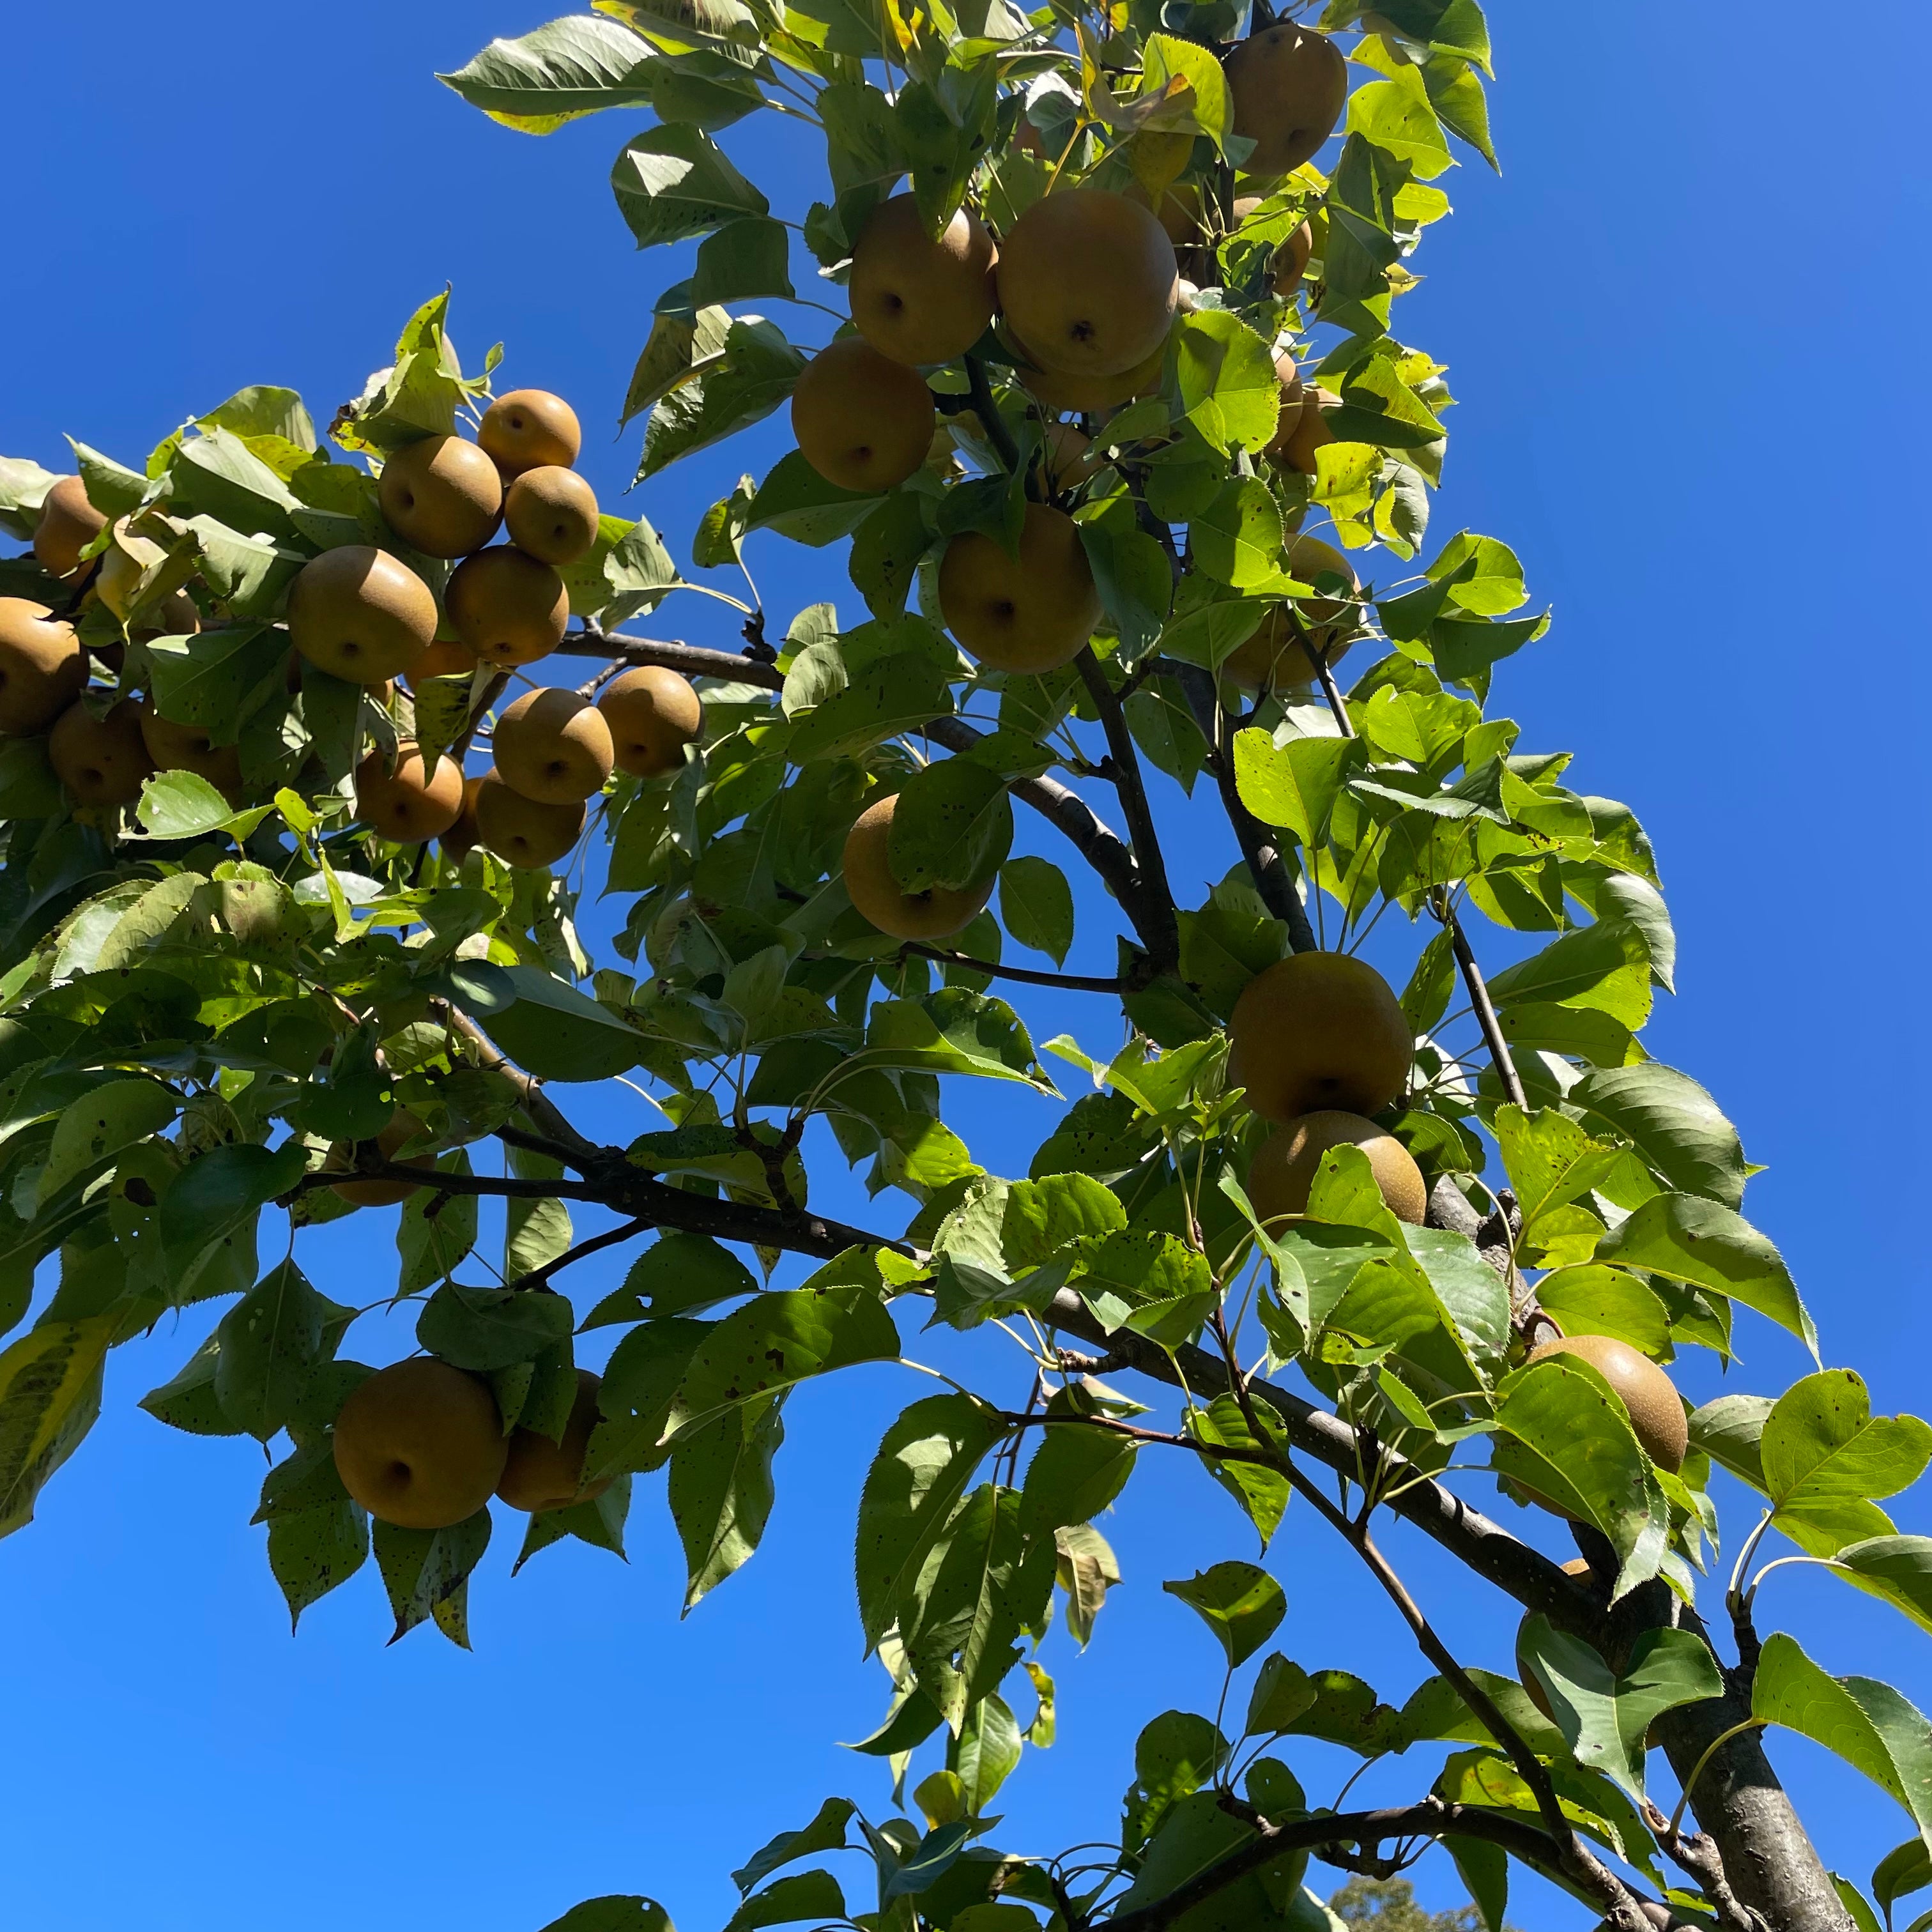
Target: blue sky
column 1682, row 331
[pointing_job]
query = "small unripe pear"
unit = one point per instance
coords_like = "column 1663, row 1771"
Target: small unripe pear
column 1286, row 1163
column 403, row 1127
column 525, row 831
column 187, row 748
column 1317, row 1031
column 413, row 802
column 541, row 1474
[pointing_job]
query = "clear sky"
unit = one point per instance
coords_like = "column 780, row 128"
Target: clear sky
column 1684, row 332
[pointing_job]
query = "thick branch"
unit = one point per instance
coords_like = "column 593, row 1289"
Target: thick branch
column 692, row 660
column 990, row 420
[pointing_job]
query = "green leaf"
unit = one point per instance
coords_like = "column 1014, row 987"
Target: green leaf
column 1229, row 391
column 985, row 1754
column 753, row 375
column 187, row 1401
column 217, row 677
column 799, row 503
column 952, row 1031
column 431, row 1247
column 812, row 1894
column 101, row 1124
column 1550, row 1160
column 952, row 825
column 673, row 182
column 898, row 693
column 825, row 1833
column 678, row 1274
column 1604, row 968
column 1826, row 1460
column 1673, row 1122
column 207, row 1219
column 1262, row 1491
column 1240, row 1603
column 49, row 1396
column 627, row 1913
column 1866, row 1723
column 639, row 1389
column 575, row 66
column 1077, row 1471
column 744, row 258
column 1283, row 1692
column 1086, row 1570
column 1238, row 538
column 557, row 1033
column 425, row 1570
column 1592, row 1300
column 311, row 1551
column 1897, row 1569
column 1905, row 1869
column 1036, row 904
column 721, row 1492
column 483, row 1329
column 1294, row 786
column 270, row 1346
column 183, row 805
column 1684, row 1238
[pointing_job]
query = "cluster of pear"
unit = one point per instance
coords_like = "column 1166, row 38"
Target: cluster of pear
column 422, row 1445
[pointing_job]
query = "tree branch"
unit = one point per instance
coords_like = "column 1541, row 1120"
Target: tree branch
column 611, row 1237
column 988, row 411
column 1073, row 982
column 1479, row 998
column 692, row 660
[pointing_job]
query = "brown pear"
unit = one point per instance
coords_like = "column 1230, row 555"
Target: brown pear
column 177, row 615
column 525, row 831
column 42, row 667
column 1275, row 656
column 1298, row 449
column 359, row 613
column 862, row 421
column 1088, row 280
column 1290, row 84
column 403, row 1127
column 420, row 1444
column 1289, row 378
column 551, row 513
column 653, row 714
column 529, row 428
column 1291, row 260
column 1067, row 455
column 1656, row 1414
column 441, row 495
column 1061, row 394
column 1285, row 1163
column 553, row 746
column 103, row 761
column 461, row 837
column 541, row 1474
column 68, row 524
column 1318, row 1031
column 1030, row 614
column 187, row 748
column 932, row 914
column 445, row 658
column 413, row 802
column 915, row 299
column 507, row 609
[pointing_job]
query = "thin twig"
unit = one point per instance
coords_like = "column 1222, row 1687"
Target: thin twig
column 981, row 391
column 1072, row 983
column 1479, row 998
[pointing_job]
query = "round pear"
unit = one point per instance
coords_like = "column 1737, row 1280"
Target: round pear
column 68, row 524
column 461, row 837
column 420, row 1444
column 528, row 428
column 1087, row 280
column 1297, row 450
column 187, row 748
column 441, row 495
column 915, row 299
column 1291, row 260
column 414, row 803
column 862, row 421
column 1061, row 394
column 932, row 914
column 653, row 714
column 551, row 513
column 554, row 745
column 1290, row 84
column 103, row 761
column 1067, row 456
column 506, row 608
column 42, row 667
column 1030, row 614
column 1275, row 655
column 525, row 831
column 1292, row 395
column 1284, row 1165
column 359, row 613
column 1656, row 1414
column 1318, row 1031
column 177, row 615
column 403, row 1127
column 445, row 658
column 541, row 1474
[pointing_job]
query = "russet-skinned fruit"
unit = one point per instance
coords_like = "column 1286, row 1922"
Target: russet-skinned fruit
column 1087, row 280
column 506, row 608
column 1289, row 85
column 541, row 1474
column 523, row 831
column 462, row 836
column 653, row 714
column 1315, row 1032
column 1656, row 1414
column 68, row 523
column 103, row 761
column 1275, row 655
column 1289, row 378
column 917, row 300
column 441, row 495
column 359, row 613
column 862, row 421
column 553, row 745
column 420, row 1444
column 445, row 658
column 1285, row 1164
column 1030, row 614
column 403, row 1127
column 528, row 427
column 867, row 865
column 551, row 513
column 42, row 667
column 187, row 748
column 413, row 802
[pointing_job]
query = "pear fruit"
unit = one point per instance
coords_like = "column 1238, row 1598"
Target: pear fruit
column 1656, row 1414
column 1316, row 1032
column 42, row 667
column 461, row 837
column 187, row 748
column 1284, row 1165
column 653, row 714
column 359, row 613
column 445, row 658
column 528, row 428
column 553, row 745
column 68, row 524
column 1292, row 396
column 103, row 761
column 541, row 1474
column 506, row 608
column 1274, row 656
column 1031, row 613
column 862, row 421
column 525, row 831
column 1289, row 86
column 1291, row 260
column 177, row 615
column 441, row 495
column 931, row 914
column 916, row 300
column 1087, row 280
column 414, row 803
column 420, row 1444
column 403, row 1127
column 1061, row 394
column 551, row 513
column 1297, row 449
